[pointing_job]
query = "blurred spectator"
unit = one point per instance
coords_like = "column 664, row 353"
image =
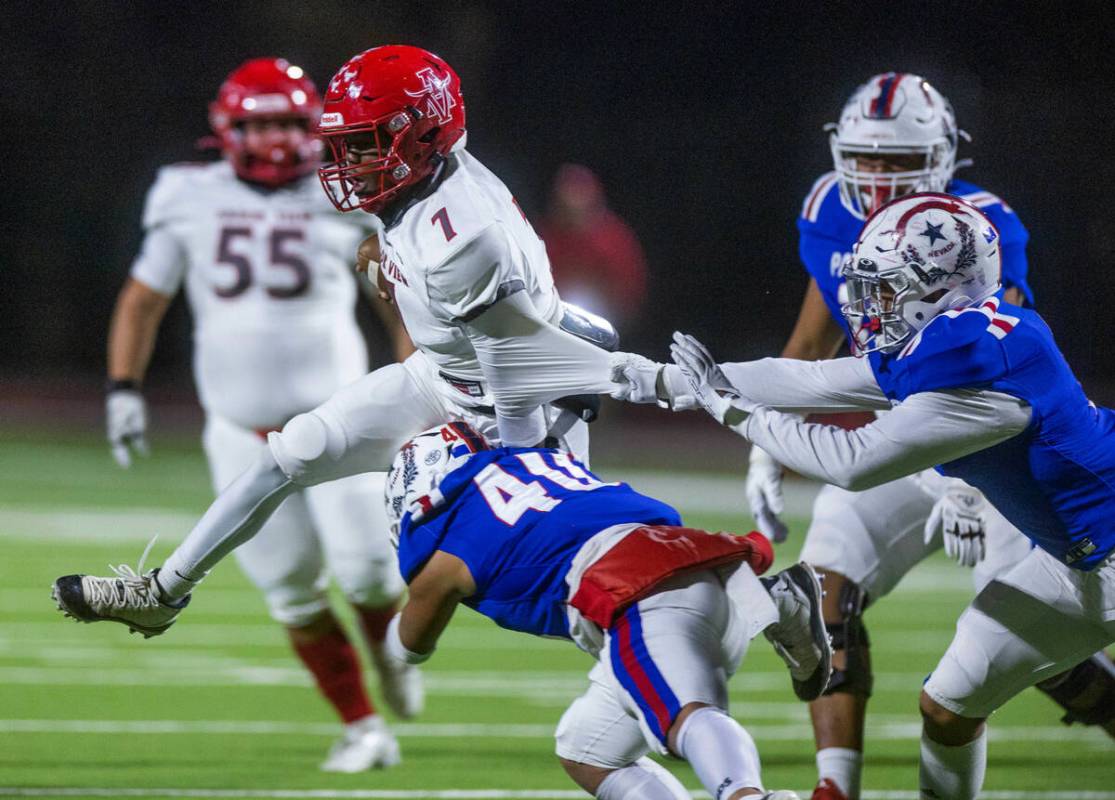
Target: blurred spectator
column 596, row 258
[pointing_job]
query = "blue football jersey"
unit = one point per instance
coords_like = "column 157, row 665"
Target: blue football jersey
column 517, row 517
column 827, row 231
column 1055, row 481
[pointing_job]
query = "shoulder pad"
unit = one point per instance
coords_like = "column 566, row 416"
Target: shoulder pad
column 822, row 188
column 173, row 194
column 433, row 231
column 958, row 349
column 1002, row 215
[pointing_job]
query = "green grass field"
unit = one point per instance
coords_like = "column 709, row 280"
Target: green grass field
column 219, row 707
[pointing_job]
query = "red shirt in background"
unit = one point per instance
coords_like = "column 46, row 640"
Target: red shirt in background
column 596, row 258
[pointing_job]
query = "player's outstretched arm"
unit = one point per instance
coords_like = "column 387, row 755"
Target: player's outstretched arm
column 432, row 597
column 788, row 384
column 927, row 429
column 131, row 339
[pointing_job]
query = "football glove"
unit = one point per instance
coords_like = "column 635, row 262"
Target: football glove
column 705, row 377
column 640, row 380
column 126, row 419
column 764, row 494
column 960, row 515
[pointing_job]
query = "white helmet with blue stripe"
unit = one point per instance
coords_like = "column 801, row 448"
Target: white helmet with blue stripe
column 918, row 257
column 897, row 135
column 421, row 464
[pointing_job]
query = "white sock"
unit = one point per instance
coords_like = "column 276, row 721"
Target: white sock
column 843, row 766
column 952, row 773
column 720, row 751
column 643, row 779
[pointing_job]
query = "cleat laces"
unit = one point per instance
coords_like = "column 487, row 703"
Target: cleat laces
column 129, row 589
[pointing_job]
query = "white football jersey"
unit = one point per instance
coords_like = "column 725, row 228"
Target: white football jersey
column 270, row 283
column 456, row 252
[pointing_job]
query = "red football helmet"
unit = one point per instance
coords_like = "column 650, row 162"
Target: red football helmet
column 390, row 112
column 267, row 88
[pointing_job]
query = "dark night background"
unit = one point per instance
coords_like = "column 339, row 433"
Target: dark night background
column 703, row 119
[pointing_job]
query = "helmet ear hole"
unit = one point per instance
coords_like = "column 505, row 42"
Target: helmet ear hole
column 935, row 296
column 429, row 135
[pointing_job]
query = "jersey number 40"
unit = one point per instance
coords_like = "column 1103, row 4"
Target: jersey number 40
column 509, row 497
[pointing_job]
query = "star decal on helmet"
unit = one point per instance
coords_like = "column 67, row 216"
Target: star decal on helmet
column 933, row 232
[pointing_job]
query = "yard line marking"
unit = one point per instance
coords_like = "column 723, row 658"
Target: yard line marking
column 463, row 794
column 784, row 732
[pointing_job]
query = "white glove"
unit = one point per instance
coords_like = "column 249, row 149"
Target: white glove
column 641, row 380
column 126, row 416
column 705, row 378
column 960, row 515
column 764, row 494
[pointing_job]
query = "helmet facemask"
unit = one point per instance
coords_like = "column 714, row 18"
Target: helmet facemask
column 369, row 168
column 863, row 191
column 873, row 310
column 273, row 162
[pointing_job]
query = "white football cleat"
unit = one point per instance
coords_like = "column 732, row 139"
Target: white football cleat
column 367, row 744
column 799, row 636
column 130, row 598
column 401, row 684
column 781, row 794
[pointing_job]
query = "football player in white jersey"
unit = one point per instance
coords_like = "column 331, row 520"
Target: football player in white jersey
column 266, row 263
column 496, row 346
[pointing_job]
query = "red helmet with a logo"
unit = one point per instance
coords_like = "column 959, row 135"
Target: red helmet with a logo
column 267, row 88
column 391, row 114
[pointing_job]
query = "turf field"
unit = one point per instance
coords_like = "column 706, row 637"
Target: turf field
column 218, row 707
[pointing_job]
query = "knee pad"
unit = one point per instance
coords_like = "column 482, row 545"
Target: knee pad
column 374, row 583
column 306, row 446
column 850, row 636
column 295, row 609
column 1086, row 692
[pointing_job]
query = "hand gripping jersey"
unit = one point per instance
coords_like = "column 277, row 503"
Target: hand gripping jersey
column 268, row 277
column 827, row 231
column 1056, row 480
column 518, row 517
column 452, row 254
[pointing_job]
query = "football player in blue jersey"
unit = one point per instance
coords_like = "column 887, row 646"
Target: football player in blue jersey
column 977, row 386
column 896, row 135
column 533, row 540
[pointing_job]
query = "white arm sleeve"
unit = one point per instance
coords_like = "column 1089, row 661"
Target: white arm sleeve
column 789, row 384
column 526, row 362
column 161, row 263
column 927, row 429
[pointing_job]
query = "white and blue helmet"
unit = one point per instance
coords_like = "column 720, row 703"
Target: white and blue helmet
column 917, row 257
column 894, row 116
column 419, row 466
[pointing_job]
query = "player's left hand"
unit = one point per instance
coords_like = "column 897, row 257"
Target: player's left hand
column 960, row 515
column 704, row 376
column 126, row 421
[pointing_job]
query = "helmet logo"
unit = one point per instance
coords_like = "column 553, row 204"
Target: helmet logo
column 933, row 232
column 344, row 76
column 439, row 102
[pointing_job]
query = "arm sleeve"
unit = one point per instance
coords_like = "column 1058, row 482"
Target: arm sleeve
column 161, row 263
column 927, row 429
column 789, row 384
column 526, row 362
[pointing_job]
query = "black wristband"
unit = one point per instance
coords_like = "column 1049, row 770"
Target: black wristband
column 127, row 384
